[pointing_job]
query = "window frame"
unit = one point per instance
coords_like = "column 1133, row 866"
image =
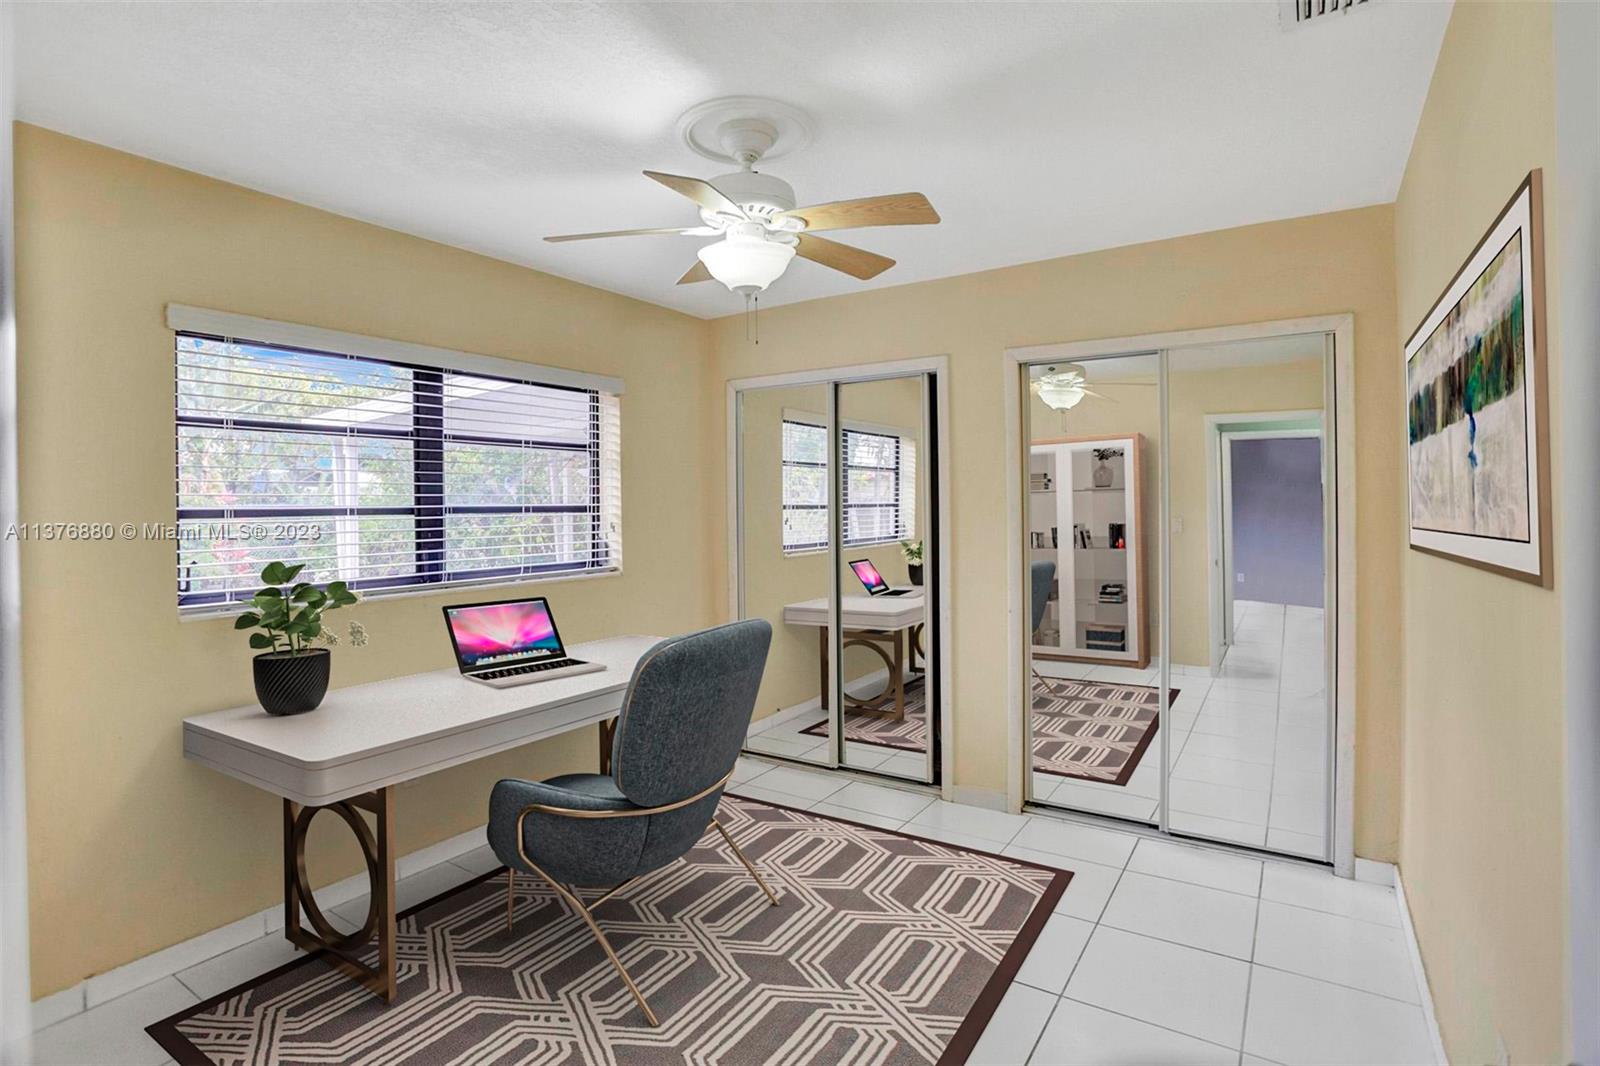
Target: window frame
column 429, row 439
column 897, row 504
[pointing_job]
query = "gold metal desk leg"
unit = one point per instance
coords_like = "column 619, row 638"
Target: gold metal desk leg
column 608, row 733
column 377, row 848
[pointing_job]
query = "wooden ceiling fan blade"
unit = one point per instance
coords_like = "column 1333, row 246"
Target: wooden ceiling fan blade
column 703, row 193
column 682, row 231
column 698, row 272
column 843, row 257
column 899, row 209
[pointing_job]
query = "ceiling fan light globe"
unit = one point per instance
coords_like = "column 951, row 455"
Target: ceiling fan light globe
column 1061, row 388
column 1059, row 397
column 746, row 265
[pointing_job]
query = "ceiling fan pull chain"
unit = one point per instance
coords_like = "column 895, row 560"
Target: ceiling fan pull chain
column 752, row 317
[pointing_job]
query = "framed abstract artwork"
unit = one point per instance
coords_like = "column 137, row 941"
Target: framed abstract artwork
column 1477, row 446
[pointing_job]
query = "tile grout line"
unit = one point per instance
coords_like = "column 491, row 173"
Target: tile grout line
column 1277, row 724
column 1078, row 961
column 1248, row 962
column 1033, row 1049
column 1145, row 1021
column 1250, row 973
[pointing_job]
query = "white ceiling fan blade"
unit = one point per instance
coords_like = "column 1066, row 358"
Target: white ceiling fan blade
column 703, row 193
column 690, row 231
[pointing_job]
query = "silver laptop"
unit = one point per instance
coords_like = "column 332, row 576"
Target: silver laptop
column 510, row 642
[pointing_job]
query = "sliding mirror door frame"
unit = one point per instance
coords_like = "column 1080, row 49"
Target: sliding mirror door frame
column 1341, row 636
column 933, row 371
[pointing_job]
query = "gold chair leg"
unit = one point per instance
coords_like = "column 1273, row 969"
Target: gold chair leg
column 511, row 890
column 1048, row 683
column 583, row 912
column 747, row 865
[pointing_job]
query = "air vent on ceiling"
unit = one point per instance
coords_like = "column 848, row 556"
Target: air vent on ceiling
column 1300, row 12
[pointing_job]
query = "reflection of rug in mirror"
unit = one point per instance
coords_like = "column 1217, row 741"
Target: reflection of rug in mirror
column 1083, row 729
column 1091, row 730
column 883, row 949
column 906, row 734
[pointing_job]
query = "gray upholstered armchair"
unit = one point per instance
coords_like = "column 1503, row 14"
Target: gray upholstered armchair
column 683, row 722
column 1041, row 574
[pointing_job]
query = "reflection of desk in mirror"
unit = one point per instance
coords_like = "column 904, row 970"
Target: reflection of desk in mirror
column 891, row 626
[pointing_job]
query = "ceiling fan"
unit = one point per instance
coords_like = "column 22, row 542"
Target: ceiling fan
column 754, row 214
column 1063, row 386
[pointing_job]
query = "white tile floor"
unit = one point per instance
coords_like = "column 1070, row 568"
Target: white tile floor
column 788, row 740
column 1248, row 748
column 1158, row 952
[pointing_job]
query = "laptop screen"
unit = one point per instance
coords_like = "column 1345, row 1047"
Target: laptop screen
column 869, row 576
column 490, row 634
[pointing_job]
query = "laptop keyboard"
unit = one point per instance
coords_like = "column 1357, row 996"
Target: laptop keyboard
column 533, row 668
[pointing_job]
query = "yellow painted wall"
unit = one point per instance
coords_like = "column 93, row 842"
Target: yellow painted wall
column 131, row 848
column 1342, row 262
column 1482, row 828
column 1123, row 409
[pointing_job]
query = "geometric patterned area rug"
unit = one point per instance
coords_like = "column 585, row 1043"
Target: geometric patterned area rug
column 1083, row 729
column 1093, row 731
column 884, row 949
column 908, row 734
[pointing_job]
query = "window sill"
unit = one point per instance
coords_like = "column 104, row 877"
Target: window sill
column 789, row 553
column 207, row 614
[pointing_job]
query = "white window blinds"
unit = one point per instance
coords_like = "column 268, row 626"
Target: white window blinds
column 879, row 490
column 385, row 473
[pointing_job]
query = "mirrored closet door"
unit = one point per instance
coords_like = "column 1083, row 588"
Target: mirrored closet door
column 1094, row 714
column 836, row 548
column 784, row 522
column 1179, row 526
column 1248, row 476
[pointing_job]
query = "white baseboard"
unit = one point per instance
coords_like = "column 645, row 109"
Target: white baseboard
column 1418, row 969
column 1374, row 872
column 171, row 960
column 865, row 685
column 58, row 1007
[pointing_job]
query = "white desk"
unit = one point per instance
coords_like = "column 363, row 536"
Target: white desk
column 873, row 622
column 350, row 753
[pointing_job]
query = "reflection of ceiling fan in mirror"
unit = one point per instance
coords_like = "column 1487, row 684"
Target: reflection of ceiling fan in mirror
column 1063, row 386
column 754, row 214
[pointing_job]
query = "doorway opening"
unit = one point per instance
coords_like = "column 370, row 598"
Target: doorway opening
column 1266, row 518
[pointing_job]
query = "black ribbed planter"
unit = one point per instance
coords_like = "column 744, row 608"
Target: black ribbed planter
column 292, row 682
column 914, row 572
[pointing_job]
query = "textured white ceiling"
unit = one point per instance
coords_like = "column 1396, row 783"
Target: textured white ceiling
column 1037, row 130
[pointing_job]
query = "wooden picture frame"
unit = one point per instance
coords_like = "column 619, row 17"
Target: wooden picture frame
column 1475, row 412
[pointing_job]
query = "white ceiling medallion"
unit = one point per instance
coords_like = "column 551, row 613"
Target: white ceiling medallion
column 726, row 128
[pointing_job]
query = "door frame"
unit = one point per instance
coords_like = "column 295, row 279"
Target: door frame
column 1339, row 390
column 939, row 456
column 1219, row 505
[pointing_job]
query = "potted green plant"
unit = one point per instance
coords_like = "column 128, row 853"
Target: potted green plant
column 912, row 550
column 292, row 676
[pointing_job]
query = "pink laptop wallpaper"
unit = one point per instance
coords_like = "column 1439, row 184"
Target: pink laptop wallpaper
column 868, row 574
column 502, row 631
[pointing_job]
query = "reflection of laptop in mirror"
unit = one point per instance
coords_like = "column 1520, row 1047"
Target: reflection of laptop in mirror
column 511, row 642
column 876, row 585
